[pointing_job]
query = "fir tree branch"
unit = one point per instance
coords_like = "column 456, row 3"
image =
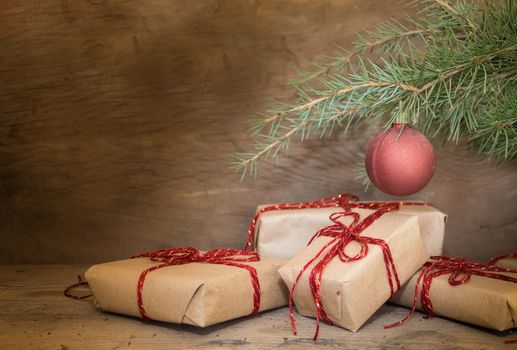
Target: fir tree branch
column 462, row 81
column 407, row 87
column 343, row 60
column 455, row 12
column 248, row 161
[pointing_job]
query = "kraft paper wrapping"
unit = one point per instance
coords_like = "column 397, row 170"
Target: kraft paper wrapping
column 283, row 233
column 199, row 294
column 481, row 301
column 352, row 292
column 507, row 263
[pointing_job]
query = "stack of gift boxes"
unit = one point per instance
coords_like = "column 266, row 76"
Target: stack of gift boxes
column 336, row 259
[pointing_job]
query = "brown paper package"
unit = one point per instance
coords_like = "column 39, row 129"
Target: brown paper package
column 481, row 301
column 199, row 294
column 283, row 233
column 352, row 292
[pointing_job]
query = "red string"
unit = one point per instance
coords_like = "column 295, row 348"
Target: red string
column 80, row 283
column 180, row 256
column 342, row 236
column 460, row 271
column 494, row 260
column 344, row 200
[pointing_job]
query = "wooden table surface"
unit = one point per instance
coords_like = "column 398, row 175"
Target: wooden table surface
column 34, row 314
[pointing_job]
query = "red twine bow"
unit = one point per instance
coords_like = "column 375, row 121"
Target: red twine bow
column 344, row 200
column 342, row 236
column 341, row 200
column 180, row 256
column 460, row 271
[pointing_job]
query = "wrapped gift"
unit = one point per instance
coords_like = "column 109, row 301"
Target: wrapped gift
column 484, row 295
column 183, row 285
column 283, row 230
column 353, row 266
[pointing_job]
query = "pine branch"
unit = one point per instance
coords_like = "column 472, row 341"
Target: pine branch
column 452, row 10
column 460, row 82
column 361, row 47
column 386, row 33
column 307, row 106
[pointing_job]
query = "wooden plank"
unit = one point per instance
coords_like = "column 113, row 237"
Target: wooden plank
column 119, row 118
column 35, row 315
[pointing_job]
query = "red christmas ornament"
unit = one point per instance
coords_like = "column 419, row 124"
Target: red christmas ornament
column 401, row 161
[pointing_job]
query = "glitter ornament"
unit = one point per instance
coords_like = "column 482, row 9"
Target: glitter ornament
column 400, row 161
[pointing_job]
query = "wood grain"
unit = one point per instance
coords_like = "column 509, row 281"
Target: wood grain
column 118, row 119
column 36, row 315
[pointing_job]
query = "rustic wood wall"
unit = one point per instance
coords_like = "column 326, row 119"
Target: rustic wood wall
column 118, row 118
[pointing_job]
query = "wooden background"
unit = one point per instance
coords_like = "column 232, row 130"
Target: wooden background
column 118, row 118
